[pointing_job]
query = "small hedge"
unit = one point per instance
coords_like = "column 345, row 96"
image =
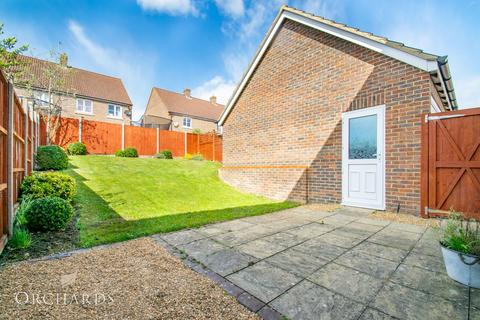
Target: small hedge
column 77, row 148
column 165, row 154
column 127, row 153
column 48, row 214
column 48, row 184
column 51, row 158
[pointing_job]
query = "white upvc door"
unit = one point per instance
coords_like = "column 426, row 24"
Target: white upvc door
column 363, row 158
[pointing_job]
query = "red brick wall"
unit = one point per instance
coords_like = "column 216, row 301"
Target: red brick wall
column 290, row 112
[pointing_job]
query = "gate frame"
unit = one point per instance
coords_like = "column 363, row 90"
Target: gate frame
column 425, row 174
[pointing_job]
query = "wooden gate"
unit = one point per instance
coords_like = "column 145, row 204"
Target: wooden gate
column 451, row 163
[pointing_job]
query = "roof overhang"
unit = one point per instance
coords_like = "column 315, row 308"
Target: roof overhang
column 433, row 66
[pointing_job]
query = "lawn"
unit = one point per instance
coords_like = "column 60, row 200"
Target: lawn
column 124, row 198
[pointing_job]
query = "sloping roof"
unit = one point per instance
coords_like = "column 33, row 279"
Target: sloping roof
column 436, row 65
column 81, row 82
column 180, row 104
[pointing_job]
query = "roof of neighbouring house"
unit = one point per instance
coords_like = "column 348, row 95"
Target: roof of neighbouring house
column 78, row 81
column 180, row 104
column 436, row 65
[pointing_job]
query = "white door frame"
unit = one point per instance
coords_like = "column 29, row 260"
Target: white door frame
column 380, row 112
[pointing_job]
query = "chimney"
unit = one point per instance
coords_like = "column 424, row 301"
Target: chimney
column 187, row 92
column 63, row 59
column 213, row 100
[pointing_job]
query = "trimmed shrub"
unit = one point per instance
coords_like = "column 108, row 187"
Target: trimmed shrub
column 48, row 214
column 120, row 153
column 48, row 184
column 77, row 148
column 51, row 158
column 160, row 156
column 127, row 153
column 167, row 153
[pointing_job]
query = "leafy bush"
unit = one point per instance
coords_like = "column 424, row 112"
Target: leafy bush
column 127, row 153
column 120, row 153
column 460, row 235
column 48, row 184
column 77, row 148
column 165, row 154
column 51, row 158
column 48, row 214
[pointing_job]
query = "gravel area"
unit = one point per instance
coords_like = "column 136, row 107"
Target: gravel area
column 404, row 218
column 137, row 279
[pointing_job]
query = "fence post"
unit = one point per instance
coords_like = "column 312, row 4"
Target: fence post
column 123, row 135
column 25, row 145
column 213, row 146
column 158, row 140
column 10, row 182
column 185, row 143
column 80, row 129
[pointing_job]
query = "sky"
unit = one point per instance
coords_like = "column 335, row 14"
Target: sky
column 207, row 45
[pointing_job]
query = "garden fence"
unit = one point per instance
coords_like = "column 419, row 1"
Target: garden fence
column 18, row 141
column 106, row 138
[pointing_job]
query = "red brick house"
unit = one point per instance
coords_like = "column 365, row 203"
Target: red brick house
column 328, row 113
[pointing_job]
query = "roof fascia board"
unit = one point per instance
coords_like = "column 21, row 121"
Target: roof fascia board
column 362, row 41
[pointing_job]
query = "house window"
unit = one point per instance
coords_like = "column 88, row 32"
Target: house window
column 84, row 105
column 187, row 122
column 114, row 111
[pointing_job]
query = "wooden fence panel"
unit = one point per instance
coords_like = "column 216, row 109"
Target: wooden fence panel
column 143, row 139
column 67, row 132
column 173, row 141
column 18, row 147
column 218, row 149
column 101, row 137
column 206, row 146
column 451, row 163
column 193, row 143
column 3, row 160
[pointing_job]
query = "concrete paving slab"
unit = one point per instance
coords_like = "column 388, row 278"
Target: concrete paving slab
column 182, row 237
column 310, row 301
column 296, row 262
column 391, row 241
column 284, row 239
column 436, row 283
column 200, row 249
column 228, row 261
column 374, row 266
column 320, row 249
column 372, row 314
column 406, row 303
column 264, row 281
column 381, row 251
column 433, row 263
column 311, row 230
column 261, row 248
column 339, row 239
column 349, row 282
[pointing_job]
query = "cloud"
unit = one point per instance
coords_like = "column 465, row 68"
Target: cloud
column 233, row 8
column 172, row 7
column 217, row 86
column 135, row 69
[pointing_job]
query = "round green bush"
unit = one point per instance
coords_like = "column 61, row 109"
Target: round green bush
column 160, row 155
column 77, row 148
column 48, row 184
column 48, row 214
column 120, row 153
column 127, row 153
column 131, row 152
column 167, row 153
column 51, row 158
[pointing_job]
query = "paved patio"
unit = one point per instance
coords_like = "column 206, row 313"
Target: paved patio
column 303, row 263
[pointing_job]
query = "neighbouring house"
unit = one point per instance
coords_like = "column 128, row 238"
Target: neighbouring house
column 181, row 112
column 328, row 113
column 87, row 94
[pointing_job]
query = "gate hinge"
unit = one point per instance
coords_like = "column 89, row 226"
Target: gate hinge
column 430, row 118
